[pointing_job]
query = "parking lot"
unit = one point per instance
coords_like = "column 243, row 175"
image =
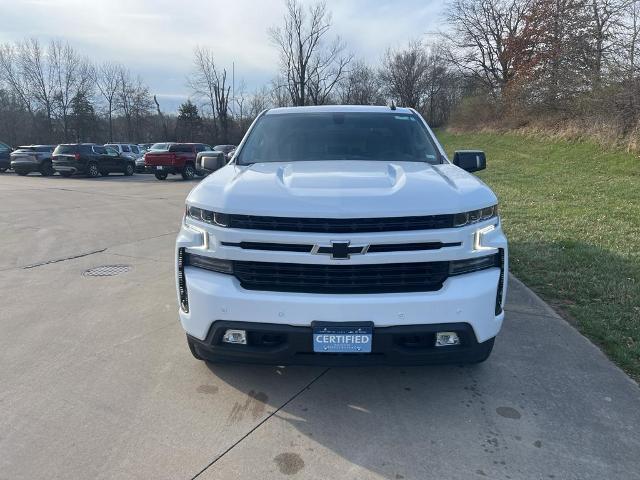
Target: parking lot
column 96, row 380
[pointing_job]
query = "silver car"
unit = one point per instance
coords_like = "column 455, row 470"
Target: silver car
column 33, row 158
column 125, row 149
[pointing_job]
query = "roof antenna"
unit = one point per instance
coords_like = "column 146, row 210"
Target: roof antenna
column 393, row 105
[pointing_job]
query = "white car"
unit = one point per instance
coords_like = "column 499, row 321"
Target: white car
column 342, row 235
column 125, row 149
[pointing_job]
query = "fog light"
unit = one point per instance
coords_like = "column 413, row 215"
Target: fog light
column 235, row 336
column 445, row 339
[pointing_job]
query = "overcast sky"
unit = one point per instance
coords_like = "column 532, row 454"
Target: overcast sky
column 156, row 38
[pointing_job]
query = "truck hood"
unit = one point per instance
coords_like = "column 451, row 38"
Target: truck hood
column 341, row 189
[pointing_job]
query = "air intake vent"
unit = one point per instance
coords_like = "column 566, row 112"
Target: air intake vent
column 500, row 283
column 182, row 283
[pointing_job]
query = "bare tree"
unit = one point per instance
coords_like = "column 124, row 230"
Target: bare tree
column 240, row 102
column 482, row 35
column 259, row 101
column 310, row 69
column 72, row 78
column 562, row 47
column 107, row 80
column 202, row 80
column 279, row 92
column 13, row 77
column 327, row 70
column 222, row 91
column 39, row 78
column 630, row 41
column 133, row 100
column 163, row 121
column 361, row 86
column 441, row 86
column 606, row 19
column 207, row 82
column 404, row 75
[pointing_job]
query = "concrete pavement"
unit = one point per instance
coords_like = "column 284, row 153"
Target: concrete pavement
column 96, row 380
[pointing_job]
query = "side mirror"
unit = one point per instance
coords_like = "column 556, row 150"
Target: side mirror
column 212, row 164
column 470, row 160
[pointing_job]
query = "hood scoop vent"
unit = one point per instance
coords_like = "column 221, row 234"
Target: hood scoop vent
column 354, row 176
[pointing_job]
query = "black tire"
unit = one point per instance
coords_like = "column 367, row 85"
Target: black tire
column 192, row 348
column 3, row 169
column 22, row 173
column 188, row 172
column 129, row 169
column 66, row 174
column 92, row 170
column 161, row 176
column 46, row 169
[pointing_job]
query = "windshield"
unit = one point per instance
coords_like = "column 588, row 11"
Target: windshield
column 159, row 146
column 291, row 137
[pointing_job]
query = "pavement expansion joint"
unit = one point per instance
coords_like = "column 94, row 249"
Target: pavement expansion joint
column 293, row 397
column 57, row 260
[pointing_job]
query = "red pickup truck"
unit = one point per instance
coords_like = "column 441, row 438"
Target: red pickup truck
column 178, row 158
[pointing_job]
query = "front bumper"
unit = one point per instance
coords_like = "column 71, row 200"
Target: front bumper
column 469, row 299
column 277, row 344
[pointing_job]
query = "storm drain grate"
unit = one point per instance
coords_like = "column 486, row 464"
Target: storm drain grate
column 107, row 270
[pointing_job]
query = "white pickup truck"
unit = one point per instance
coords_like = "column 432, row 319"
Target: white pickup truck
column 342, row 235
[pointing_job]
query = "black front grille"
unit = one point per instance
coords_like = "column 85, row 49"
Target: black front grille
column 309, row 278
column 339, row 225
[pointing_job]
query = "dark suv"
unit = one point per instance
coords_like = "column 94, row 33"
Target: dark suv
column 33, row 158
column 90, row 159
column 5, row 151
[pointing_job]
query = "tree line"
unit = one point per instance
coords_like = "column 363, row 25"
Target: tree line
column 495, row 64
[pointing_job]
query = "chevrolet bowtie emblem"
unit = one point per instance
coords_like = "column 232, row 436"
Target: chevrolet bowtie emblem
column 340, row 250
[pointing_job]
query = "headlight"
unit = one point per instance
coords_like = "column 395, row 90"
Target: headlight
column 207, row 216
column 475, row 216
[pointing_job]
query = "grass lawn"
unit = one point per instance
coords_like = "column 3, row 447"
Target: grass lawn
column 571, row 212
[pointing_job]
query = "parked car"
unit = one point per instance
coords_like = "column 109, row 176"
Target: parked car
column 124, row 149
column 5, row 157
column 90, row 159
column 33, row 158
column 163, row 146
column 179, row 158
column 226, row 149
column 342, row 235
column 144, row 146
column 137, row 151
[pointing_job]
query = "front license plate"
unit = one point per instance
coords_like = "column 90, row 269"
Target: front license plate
column 159, row 168
column 342, row 339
